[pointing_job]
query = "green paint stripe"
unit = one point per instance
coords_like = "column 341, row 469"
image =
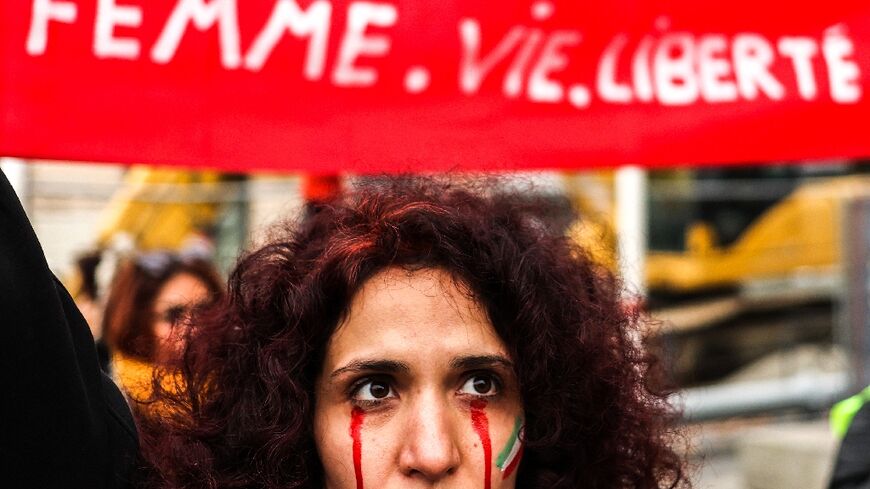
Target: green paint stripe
column 514, row 439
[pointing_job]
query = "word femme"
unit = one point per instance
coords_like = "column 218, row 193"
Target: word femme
column 527, row 60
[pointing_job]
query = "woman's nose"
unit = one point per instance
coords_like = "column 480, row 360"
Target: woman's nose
column 430, row 448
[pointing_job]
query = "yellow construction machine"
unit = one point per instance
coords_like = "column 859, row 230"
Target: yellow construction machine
column 160, row 208
column 797, row 239
column 797, row 236
column 736, row 275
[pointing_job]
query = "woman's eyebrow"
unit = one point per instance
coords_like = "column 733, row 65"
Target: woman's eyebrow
column 473, row 362
column 385, row 366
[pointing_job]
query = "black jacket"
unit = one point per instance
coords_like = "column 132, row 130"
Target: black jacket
column 852, row 468
column 63, row 423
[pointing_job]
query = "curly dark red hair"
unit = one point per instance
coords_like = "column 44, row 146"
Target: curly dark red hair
column 244, row 415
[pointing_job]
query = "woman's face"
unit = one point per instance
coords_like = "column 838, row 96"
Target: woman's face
column 417, row 390
column 173, row 304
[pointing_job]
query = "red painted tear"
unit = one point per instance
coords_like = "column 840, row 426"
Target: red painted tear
column 481, row 425
column 356, row 421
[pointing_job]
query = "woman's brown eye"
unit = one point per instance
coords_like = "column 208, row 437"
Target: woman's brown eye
column 374, row 390
column 479, row 385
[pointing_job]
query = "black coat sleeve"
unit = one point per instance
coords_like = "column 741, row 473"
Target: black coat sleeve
column 63, row 423
column 852, row 468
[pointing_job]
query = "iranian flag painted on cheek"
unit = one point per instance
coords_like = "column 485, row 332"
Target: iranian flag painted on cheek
column 509, row 457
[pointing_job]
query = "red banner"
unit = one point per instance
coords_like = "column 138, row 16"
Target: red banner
column 401, row 85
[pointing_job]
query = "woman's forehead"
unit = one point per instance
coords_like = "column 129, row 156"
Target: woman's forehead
column 182, row 288
column 420, row 314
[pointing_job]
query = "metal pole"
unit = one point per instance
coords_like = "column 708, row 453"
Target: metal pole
column 855, row 321
column 631, row 229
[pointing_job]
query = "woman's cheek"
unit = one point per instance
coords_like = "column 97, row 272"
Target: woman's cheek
column 335, row 446
column 369, row 440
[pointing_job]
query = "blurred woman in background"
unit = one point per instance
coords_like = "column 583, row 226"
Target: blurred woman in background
column 147, row 311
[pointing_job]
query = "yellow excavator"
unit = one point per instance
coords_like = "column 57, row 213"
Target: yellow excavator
column 797, row 236
column 167, row 208
column 157, row 209
column 800, row 236
column 592, row 196
column 737, row 292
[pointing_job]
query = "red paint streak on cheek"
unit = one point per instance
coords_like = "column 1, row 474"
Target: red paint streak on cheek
column 481, row 425
column 356, row 421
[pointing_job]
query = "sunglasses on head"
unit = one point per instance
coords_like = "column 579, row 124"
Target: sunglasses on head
column 155, row 263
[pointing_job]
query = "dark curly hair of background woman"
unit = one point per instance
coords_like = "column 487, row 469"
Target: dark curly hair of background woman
column 242, row 415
